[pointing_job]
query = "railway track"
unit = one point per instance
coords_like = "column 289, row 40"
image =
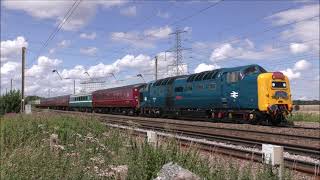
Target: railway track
column 252, row 139
column 306, row 128
column 256, row 156
column 239, row 137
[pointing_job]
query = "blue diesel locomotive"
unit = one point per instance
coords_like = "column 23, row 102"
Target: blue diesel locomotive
column 246, row 93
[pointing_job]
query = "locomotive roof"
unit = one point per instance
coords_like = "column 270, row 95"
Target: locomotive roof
column 202, row 75
column 168, row 80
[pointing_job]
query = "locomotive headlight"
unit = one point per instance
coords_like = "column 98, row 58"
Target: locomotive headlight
column 284, row 84
column 273, row 84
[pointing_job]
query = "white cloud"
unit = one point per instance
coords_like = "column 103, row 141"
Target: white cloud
column 10, row 67
column 244, row 50
column 200, row 45
column 291, row 74
column 132, row 38
column 295, row 72
column 64, row 43
column 296, row 48
column 158, row 33
column 205, row 67
column 91, row 36
column 304, row 31
column 52, row 50
column 129, row 11
column 91, row 51
column 143, row 39
column 292, row 15
column 11, row 49
column 249, row 44
column 222, row 52
column 57, row 9
column 75, row 73
column 303, row 98
column 302, row 65
column 164, row 15
column 44, row 65
column 40, row 79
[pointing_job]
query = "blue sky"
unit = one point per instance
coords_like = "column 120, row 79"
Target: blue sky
column 122, row 37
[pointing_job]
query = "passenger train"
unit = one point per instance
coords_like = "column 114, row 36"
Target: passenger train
column 245, row 94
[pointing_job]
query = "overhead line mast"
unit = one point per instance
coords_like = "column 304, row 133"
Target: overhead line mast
column 178, row 50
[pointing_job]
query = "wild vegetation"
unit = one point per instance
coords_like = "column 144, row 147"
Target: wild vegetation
column 87, row 149
column 10, row 102
column 308, row 117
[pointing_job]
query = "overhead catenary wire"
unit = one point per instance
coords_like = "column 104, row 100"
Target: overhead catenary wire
column 63, row 21
column 60, row 25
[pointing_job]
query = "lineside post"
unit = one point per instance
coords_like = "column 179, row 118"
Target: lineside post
column 22, row 78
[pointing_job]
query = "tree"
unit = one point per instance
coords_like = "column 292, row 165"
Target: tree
column 10, row 102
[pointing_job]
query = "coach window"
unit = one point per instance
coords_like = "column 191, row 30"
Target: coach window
column 178, row 89
column 233, row 77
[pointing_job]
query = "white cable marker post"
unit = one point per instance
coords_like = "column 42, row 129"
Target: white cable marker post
column 152, row 138
column 28, row 109
column 273, row 155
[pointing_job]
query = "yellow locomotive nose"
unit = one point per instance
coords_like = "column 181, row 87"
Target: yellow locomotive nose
column 274, row 92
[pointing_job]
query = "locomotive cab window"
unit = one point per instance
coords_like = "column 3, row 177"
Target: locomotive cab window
column 250, row 70
column 233, row 77
column 279, row 84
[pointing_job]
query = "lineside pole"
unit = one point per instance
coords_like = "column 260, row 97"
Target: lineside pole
column 22, row 78
column 11, row 84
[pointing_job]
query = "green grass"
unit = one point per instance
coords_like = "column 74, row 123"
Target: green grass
column 26, row 154
column 308, row 117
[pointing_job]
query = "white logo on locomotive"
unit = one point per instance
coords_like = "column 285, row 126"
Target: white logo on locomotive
column 234, row 94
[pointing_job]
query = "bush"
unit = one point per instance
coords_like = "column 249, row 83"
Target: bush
column 10, row 102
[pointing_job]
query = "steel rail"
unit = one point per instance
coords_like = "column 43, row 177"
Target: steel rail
column 293, row 164
column 303, row 166
column 248, row 142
